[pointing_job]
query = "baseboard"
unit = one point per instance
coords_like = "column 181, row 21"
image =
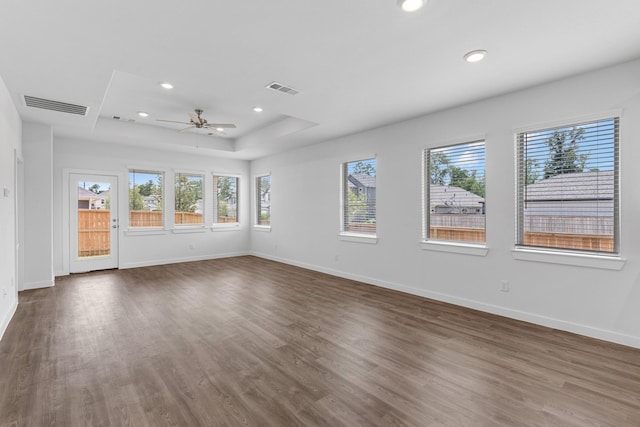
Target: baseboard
column 5, row 322
column 179, row 260
column 38, row 285
column 589, row 331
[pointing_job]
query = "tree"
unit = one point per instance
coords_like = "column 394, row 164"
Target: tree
column 188, row 192
column 563, row 153
column 95, row 188
column 364, row 168
column 136, row 202
column 531, row 173
column 148, row 189
column 356, row 207
column 441, row 172
column 438, row 168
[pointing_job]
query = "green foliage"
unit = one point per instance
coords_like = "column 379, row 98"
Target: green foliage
column 356, row 207
column 95, row 188
column 136, row 202
column 364, row 168
column 532, row 174
column 222, row 208
column 264, row 216
column 438, row 168
column 187, row 193
column 563, row 150
column 443, row 173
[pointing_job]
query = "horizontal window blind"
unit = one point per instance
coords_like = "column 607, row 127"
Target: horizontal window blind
column 189, row 207
column 567, row 187
column 359, row 197
column 455, row 192
column 145, row 198
column 263, row 200
column 225, row 199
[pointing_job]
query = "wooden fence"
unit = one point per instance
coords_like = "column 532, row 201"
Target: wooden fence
column 584, row 242
column 93, row 232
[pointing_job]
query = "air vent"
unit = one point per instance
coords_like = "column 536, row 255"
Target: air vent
column 61, row 107
column 282, row 88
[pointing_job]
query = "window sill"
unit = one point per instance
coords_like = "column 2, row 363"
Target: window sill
column 187, row 229
column 604, row 262
column 145, row 231
column 262, row 228
column 235, row 226
column 358, row 238
column 455, row 247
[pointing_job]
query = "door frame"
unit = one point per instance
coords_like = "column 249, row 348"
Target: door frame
column 66, row 213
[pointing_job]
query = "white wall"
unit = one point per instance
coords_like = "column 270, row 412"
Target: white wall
column 10, row 148
column 72, row 155
column 37, row 144
column 592, row 301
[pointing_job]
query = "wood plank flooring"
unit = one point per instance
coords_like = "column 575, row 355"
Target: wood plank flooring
column 246, row 341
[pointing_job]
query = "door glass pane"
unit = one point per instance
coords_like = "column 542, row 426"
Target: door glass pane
column 94, row 203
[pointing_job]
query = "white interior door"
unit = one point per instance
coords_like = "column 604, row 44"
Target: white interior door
column 93, row 222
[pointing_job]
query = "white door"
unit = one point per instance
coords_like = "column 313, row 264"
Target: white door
column 93, row 222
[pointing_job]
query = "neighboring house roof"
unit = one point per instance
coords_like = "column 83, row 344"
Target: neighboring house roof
column 450, row 195
column 573, row 186
column 84, row 194
column 364, row 180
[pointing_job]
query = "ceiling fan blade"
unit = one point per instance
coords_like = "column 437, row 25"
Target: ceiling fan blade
column 172, row 121
column 187, row 128
column 194, row 118
column 221, row 125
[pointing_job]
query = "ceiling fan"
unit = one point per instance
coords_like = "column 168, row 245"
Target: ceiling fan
column 198, row 122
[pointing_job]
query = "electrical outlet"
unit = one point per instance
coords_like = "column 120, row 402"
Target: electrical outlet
column 504, row 285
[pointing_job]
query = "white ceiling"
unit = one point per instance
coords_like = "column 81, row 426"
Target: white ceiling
column 358, row 64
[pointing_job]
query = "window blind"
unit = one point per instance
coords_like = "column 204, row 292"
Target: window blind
column 263, row 200
column 359, row 197
column 567, row 187
column 145, row 198
column 455, row 192
column 225, row 205
column 189, row 207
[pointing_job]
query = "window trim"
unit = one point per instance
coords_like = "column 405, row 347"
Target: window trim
column 441, row 245
column 225, row 225
column 183, row 228
column 568, row 256
column 140, row 231
column 350, row 236
column 254, row 193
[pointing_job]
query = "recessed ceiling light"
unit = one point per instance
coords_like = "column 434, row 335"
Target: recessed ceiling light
column 411, row 5
column 166, row 85
column 143, row 114
column 257, row 109
column 475, row 55
column 220, row 129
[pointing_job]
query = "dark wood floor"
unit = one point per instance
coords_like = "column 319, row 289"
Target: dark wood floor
column 245, row 341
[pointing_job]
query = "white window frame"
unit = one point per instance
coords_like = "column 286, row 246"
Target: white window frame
column 350, row 236
column 133, row 231
column 187, row 228
column 599, row 260
column 257, row 206
column 214, row 209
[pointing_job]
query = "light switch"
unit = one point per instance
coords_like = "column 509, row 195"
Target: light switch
column 5, row 192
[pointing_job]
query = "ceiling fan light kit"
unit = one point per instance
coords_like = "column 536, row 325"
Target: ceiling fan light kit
column 196, row 121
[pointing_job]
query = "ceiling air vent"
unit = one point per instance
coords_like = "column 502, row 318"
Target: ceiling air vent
column 62, row 107
column 282, row 88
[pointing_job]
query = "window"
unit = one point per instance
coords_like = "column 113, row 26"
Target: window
column 567, row 187
column 188, row 197
column 145, row 199
column 455, row 191
column 263, row 200
column 225, row 199
column 359, row 197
